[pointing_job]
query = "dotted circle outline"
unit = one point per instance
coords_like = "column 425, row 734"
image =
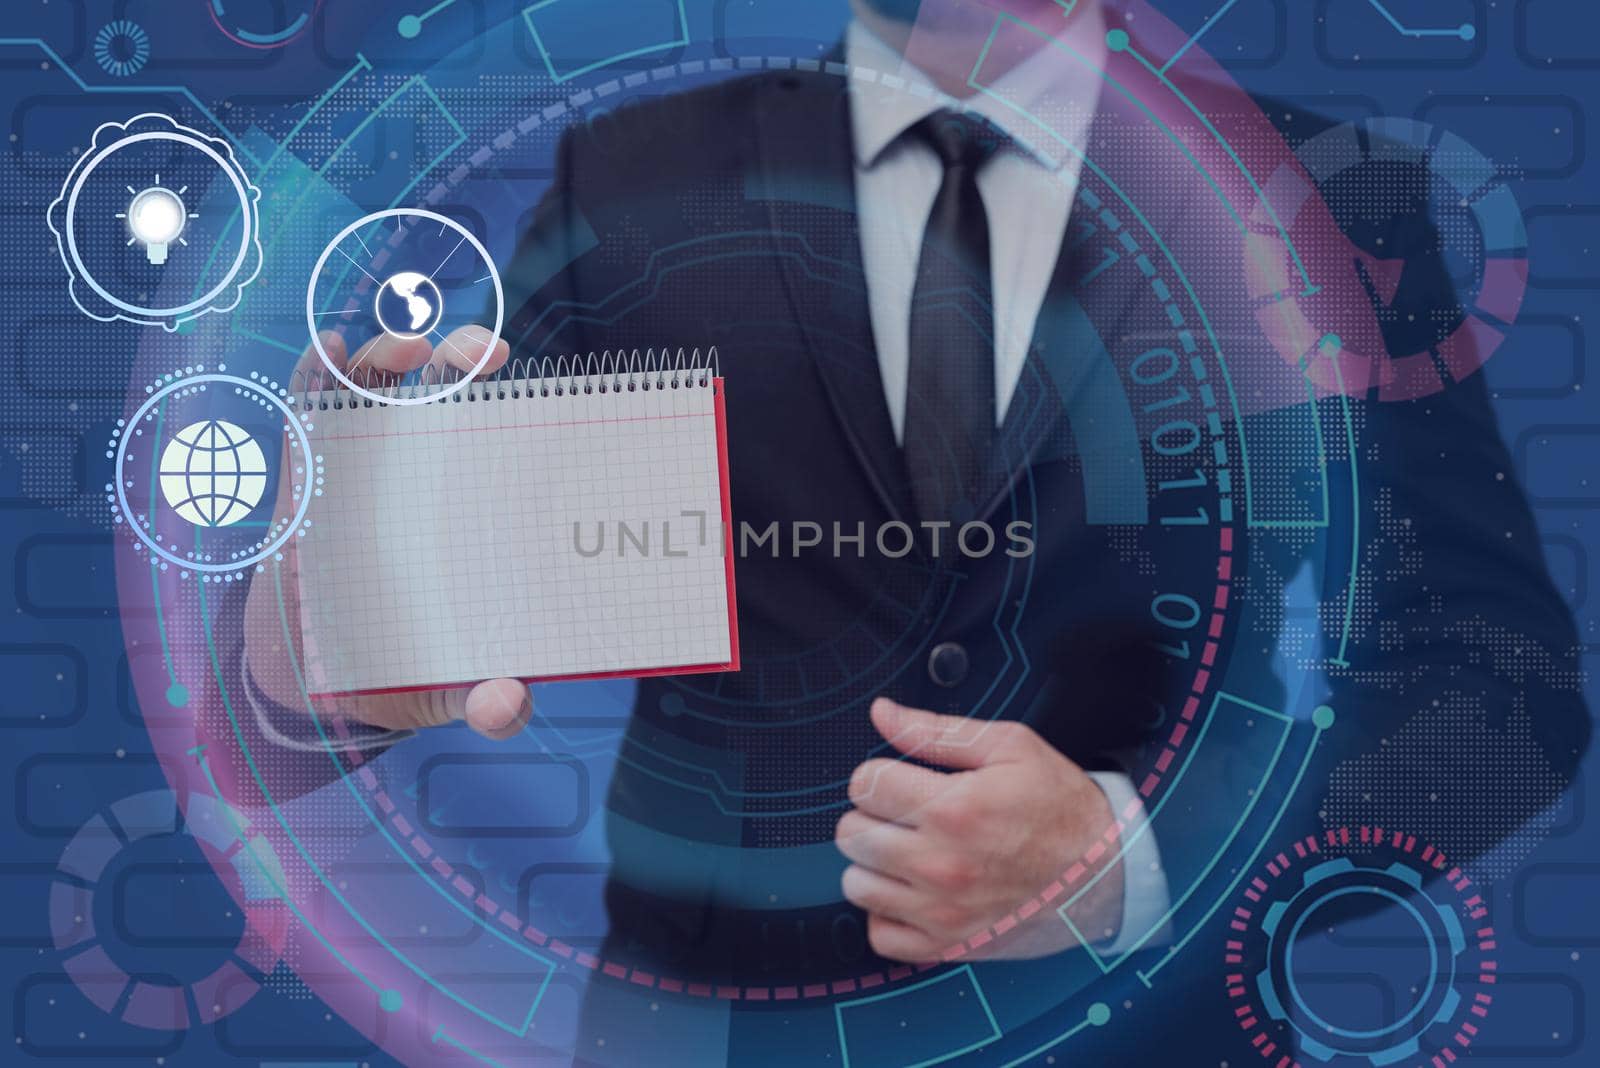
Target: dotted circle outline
column 154, row 546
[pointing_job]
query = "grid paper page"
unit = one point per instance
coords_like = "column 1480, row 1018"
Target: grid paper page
column 443, row 549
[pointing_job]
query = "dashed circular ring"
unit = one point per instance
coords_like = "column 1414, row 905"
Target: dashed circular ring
column 1463, row 182
column 137, row 997
column 1298, row 888
column 122, row 48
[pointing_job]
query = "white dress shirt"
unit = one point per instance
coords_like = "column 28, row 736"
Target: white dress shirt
column 1027, row 190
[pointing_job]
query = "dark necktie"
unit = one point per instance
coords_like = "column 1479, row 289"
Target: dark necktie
column 950, row 399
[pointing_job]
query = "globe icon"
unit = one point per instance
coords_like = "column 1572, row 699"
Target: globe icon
column 409, row 304
column 213, row 473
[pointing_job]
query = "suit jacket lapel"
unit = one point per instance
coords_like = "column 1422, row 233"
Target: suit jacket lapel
column 1035, row 427
column 808, row 186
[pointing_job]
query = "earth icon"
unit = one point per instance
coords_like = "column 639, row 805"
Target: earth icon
column 409, row 304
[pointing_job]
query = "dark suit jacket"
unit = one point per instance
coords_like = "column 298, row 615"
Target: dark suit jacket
column 725, row 217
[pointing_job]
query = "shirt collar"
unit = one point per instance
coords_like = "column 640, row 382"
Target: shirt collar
column 895, row 96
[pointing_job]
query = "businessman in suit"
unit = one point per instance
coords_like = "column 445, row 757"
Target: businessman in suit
column 881, row 270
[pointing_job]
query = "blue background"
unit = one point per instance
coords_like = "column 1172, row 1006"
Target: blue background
column 72, row 739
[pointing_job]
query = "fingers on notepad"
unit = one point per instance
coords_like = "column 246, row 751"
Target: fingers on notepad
column 498, row 708
column 387, row 352
column 461, row 350
column 463, row 347
column 332, row 344
column 311, row 361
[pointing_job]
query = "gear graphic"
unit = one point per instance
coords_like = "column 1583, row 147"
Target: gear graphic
column 1323, row 883
column 1445, row 1007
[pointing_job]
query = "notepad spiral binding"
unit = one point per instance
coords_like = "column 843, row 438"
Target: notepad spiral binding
column 610, row 371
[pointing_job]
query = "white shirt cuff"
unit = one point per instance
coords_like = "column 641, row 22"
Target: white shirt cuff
column 1145, row 897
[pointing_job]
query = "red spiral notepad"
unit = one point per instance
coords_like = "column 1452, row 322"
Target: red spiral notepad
column 563, row 522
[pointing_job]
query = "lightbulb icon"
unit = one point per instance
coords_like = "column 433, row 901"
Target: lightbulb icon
column 156, row 215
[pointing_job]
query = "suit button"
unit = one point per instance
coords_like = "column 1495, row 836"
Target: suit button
column 948, row 664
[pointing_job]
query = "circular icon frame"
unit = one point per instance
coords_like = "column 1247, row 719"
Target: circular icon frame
column 268, row 548
column 378, row 396
column 430, row 323
column 111, row 138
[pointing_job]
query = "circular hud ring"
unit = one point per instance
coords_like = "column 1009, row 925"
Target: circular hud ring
column 137, row 446
column 1308, row 890
column 106, row 280
column 367, row 275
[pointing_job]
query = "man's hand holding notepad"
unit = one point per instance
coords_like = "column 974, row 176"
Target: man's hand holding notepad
column 556, row 527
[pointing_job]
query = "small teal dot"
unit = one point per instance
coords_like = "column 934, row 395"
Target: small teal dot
column 1099, row 1013
column 1117, row 40
column 1331, row 343
column 177, row 695
column 1468, row 31
column 410, row 26
column 390, row 1001
column 1323, row 717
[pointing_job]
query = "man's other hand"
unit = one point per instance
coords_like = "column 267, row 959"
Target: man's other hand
column 939, row 856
